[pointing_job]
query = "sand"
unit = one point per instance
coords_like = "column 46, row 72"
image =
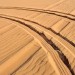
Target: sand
column 37, row 37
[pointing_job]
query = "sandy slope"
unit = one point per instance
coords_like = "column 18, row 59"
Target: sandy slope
column 37, row 37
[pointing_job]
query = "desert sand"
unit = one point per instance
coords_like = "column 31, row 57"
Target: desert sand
column 37, row 37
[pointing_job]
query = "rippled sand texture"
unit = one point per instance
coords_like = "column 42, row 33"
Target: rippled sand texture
column 37, row 37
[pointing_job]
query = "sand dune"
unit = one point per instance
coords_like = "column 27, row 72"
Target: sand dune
column 37, row 37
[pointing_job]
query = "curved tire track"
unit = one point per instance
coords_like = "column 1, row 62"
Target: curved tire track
column 51, row 53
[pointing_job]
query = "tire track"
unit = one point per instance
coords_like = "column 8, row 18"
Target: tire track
column 61, row 14
column 23, row 19
column 48, row 12
column 65, row 15
column 48, row 49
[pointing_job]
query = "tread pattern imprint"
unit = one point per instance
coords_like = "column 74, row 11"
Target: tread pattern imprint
column 37, row 41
